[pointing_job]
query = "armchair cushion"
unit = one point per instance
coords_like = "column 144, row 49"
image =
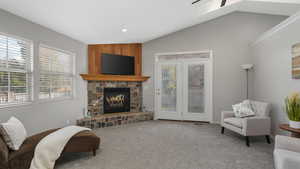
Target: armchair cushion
column 237, row 122
column 285, row 159
column 287, row 152
column 243, row 109
column 287, row 143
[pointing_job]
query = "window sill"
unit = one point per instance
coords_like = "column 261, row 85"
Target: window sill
column 12, row 105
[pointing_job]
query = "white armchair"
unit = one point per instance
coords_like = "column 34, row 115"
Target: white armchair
column 258, row 125
column 287, row 152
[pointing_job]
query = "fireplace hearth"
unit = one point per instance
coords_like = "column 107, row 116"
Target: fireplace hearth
column 116, row 100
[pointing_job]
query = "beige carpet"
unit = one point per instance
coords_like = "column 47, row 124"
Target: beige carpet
column 172, row 145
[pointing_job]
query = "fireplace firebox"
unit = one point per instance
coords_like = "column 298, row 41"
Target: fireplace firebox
column 116, row 100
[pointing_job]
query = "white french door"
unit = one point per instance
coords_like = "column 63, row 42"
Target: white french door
column 168, row 90
column 195, row 91
column 183, row 89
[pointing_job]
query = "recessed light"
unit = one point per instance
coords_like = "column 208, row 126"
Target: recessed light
column 124, row 30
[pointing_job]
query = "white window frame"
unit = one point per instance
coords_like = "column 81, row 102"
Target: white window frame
column 73, row 55
column 29, row 70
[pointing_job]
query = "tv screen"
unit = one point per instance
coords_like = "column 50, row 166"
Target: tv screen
column 117, row 64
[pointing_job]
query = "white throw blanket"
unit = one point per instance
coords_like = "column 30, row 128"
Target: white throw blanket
column 49, row 148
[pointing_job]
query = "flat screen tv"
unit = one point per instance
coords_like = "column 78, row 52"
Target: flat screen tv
column 117, row 64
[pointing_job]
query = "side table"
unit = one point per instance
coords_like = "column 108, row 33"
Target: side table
column 294, row 132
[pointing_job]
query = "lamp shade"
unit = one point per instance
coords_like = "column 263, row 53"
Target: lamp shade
column 247, row 66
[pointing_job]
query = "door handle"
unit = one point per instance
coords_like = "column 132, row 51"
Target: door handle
column 158, row 91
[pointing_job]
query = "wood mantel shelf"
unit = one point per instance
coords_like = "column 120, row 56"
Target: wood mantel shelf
column 99, row 77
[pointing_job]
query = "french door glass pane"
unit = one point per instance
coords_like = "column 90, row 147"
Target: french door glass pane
column 196, row 88
column 168, row 89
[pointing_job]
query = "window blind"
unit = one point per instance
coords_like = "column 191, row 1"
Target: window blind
column 15, row 70
column 56, row 73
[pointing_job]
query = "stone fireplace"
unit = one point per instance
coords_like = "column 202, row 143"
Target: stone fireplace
column 114, row 97
column 124, row 99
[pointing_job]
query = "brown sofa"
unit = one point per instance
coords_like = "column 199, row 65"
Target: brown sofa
column 84, row 141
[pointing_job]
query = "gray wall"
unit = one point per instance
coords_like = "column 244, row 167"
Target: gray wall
column 273, row 64
column 229, row 38
column 40, row 116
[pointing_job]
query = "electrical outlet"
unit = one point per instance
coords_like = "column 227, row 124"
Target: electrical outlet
column 68, row 122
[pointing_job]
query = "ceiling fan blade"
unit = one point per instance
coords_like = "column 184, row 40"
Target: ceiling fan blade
column 223, row 3
column 195, row 2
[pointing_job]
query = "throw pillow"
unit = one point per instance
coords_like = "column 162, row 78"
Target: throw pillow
column 13, row 133
column 243, row 109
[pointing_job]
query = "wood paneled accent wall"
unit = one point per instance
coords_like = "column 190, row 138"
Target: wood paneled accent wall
column 95, row 51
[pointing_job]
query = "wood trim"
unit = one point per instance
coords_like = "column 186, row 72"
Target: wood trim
column 99, row 77
column 95, row 51
column 91, row 59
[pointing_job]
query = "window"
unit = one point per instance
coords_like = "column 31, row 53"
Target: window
column 15, row 70
column 56, row 73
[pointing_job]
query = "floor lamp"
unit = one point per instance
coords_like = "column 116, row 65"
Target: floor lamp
column 247, row 68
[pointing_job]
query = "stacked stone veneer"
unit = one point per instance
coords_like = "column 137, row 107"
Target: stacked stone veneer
column 115, row 119
column 96, row 94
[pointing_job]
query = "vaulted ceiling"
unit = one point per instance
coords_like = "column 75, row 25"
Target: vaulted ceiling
column 99, row 21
